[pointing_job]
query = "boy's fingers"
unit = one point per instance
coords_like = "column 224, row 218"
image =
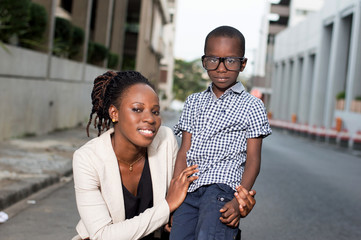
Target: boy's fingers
column 234, row 223
column 252, row 193
column 167, row 228
column 241, row 201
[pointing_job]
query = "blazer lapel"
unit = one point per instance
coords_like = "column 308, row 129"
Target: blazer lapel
column 112, row 183
column 158, row 171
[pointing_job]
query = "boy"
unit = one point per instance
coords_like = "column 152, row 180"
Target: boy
column 222, row 130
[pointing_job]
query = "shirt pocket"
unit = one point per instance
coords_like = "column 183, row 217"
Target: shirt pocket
column 235, row 136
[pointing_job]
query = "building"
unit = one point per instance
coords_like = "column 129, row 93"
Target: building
column 52, row 92
column 300, row 9
column 275, row 20
column 316, row 80
column 279, row 14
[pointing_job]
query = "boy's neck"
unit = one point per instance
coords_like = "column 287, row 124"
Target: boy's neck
column 220, row 91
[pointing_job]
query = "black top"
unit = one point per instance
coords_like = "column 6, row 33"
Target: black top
column 135, row 205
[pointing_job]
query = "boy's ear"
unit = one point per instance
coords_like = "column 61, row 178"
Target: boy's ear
column 113, row 113
column 244, row 63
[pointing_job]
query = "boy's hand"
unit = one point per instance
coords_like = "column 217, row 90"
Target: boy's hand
column 168, row 226
column 230, row 213
column 245, row 200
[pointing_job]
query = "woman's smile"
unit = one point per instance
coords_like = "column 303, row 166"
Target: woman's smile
column 147, row 132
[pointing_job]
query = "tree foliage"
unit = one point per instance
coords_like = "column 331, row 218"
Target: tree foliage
column 14, row 18
column 189, row 77
column 22, row 23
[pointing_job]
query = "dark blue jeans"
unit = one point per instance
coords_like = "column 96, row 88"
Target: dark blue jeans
column 198, row 216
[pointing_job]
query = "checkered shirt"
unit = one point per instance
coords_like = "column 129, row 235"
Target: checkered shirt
column 220, row 129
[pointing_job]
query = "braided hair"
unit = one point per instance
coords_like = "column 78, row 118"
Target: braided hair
column 107, row 89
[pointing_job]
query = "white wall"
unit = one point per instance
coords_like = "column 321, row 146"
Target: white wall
column 32, row 103
column 301, row 9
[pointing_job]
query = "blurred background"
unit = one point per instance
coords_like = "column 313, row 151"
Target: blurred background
column 304, row 59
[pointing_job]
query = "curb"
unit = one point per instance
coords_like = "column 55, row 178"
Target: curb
column 20, row 190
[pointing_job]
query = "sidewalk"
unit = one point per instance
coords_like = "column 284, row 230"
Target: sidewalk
column 30, row 164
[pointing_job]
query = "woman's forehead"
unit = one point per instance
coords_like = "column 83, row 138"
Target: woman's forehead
column 140, row 92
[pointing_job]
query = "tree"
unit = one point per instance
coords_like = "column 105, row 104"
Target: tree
column 189, row 77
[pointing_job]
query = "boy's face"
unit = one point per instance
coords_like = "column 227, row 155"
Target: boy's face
column 223, row 47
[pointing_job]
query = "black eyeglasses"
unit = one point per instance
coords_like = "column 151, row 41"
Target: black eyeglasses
column 230, row 63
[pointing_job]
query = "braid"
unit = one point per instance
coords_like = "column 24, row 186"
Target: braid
column 107, row 88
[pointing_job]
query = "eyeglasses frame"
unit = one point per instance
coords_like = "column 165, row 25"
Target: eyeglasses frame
column 222, row 59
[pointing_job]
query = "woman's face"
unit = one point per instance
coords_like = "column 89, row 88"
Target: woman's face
column 138, row 115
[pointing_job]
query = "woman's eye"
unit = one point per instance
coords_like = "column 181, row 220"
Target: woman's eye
column 136, row 110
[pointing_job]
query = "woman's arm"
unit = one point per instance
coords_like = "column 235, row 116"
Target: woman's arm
column 95, row 214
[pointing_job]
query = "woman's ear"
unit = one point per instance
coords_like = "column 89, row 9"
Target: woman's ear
column 244, row 63
column 113, row 113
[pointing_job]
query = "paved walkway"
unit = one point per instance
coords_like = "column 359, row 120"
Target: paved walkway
column 30, row 164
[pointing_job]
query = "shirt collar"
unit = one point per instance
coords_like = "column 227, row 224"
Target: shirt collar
column 237, row 88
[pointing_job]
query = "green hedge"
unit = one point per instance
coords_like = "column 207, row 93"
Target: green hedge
column 76, row 41
column 62, row 37
column 14, row 18
column 68, row 38
column 128, row 62
column 37, row 26
column 97, row 52
column 113, row 60
column 341, row 95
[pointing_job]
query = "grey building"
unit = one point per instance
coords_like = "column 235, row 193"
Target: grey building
column 316, row 82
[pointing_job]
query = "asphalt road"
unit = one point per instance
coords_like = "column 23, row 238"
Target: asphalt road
column 306, row 190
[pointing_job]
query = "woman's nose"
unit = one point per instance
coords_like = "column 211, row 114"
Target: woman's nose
column 149, row 117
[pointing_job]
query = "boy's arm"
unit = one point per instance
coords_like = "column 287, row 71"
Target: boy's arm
column 181, row 162
column 241, row 206
column 253, row 162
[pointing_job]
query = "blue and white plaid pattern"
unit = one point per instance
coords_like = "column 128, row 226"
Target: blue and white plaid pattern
column 220, row 128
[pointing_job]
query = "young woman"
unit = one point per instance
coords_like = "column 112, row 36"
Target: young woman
column 123, row 178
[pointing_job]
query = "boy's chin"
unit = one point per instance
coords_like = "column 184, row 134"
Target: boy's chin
column 224, row 85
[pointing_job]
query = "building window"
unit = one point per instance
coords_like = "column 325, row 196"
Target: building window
column 67, row 5
column 163, row 76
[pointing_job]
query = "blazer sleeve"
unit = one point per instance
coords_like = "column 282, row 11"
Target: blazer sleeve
column 95, row 215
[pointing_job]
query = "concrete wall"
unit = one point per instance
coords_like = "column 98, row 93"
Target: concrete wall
column 32, row 103
column 314, row 61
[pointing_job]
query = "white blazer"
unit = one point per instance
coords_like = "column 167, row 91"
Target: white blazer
column 98, row 188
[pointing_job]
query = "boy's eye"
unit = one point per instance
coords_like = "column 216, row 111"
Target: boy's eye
column 156, row 113
column 231, row 60
column 213, row 60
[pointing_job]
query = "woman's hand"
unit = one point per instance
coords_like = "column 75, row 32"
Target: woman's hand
column 177, row 190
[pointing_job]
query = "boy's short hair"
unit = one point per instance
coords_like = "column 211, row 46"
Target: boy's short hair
column 227, row 31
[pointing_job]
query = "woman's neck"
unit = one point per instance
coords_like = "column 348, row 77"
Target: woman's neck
column 127, row 152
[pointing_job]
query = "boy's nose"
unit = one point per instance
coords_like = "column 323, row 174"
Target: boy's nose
column 221, row 67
